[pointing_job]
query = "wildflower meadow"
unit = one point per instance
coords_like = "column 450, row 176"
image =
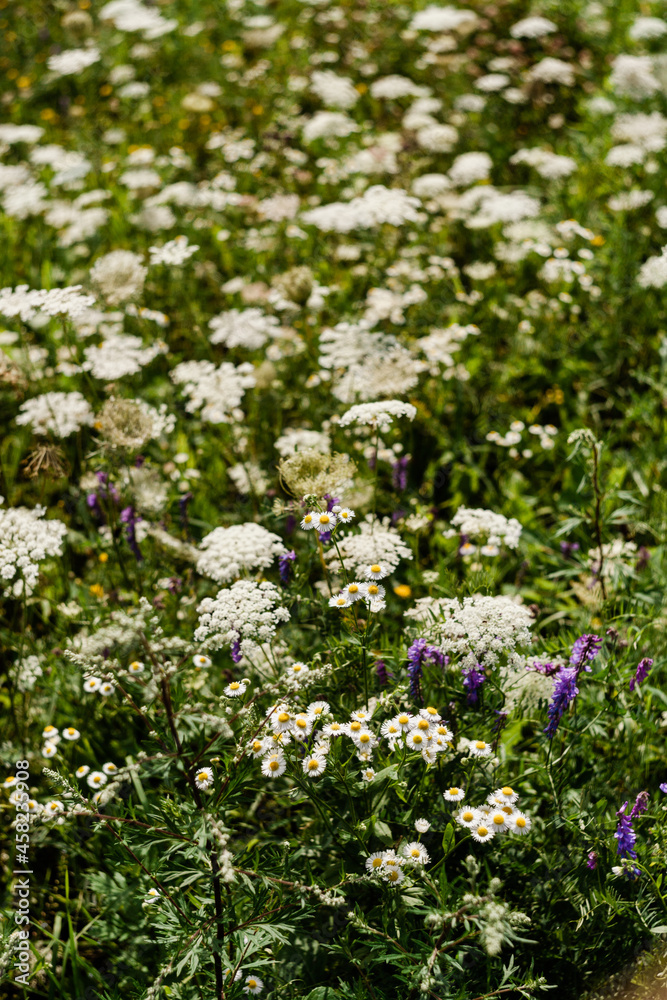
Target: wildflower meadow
column 333, row 381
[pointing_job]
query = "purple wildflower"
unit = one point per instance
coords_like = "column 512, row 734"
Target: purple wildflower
column 284, row 567
column 567, row 548
column 130, row 519
column 382, row 673
column 565, row 691
column 592, row 861
column 183, row 509
column 663, row 787
column 548, row 669
column 585, row 648
column 473, row 678
column 399, row 473
column 237, row 655
column 501, row 721
column 625, row 835
column 640, row 806
column 643, row 668
column 420, row 653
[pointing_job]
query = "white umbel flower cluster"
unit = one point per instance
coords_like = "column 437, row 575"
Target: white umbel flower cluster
column 378, row 414
column 119, row 275
column 249, row 328
column 479, row 629
column 57, row 413
column 175, row 252
column 377, row 205
column 495, row 529
column 217, row 392
column 376, row 543
column 653, row 272
column 243, row 615
column 120, row 355
column 333, row 90
column 26, row 302
column 226, row 553
column 26, row 539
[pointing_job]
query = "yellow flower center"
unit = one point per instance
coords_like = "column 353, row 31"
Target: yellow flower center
column 355, row 726
column 375, row 568
column 480, row 744
column 308, row 518
column 431, row 710
column 414, row 853
column 507, row 790
column 340, row 602
column 423, row 725
column 257, row 745
column 403, row 719
column 373, row 589
column 377, row 862
column 393, row 875
column 274, row 765
column 202, row 776
column 467, row 816
column 482, row 831
column 453, row 791
column 353, row 588
column 234, row 686
column 521, row 822
column 252, row 983
column 364, row 738
column 313, row 765
column 283, row 717
column 417, row 738
column 324, row 518
column 301, row 723
column 499, row 819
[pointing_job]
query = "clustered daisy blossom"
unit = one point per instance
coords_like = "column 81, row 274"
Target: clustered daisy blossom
column 498, row 815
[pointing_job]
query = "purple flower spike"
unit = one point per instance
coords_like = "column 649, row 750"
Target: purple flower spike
column 625, row 835
column 643, row 668
column 565, row 691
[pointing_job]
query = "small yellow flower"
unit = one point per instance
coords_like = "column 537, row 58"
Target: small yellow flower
column 97, row 590
column 103, row 557
column 402, row 590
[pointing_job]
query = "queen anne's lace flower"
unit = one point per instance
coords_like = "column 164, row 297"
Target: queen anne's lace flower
column 479, row 629
column 241, row 616
column 375, row 543
column 217, row 392
column 26, row 539
column 495, row 528
column 249, row 328
column 57, row 413
column 228, row 552
column 378, row 414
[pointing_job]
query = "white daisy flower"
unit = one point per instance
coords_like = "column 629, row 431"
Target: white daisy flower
column 96, row 779
column 282, row 720
column 454, row 794
column 478, row 748
column 354, row 591
column 235, row 690
column 274, row 765
column 200, row 660
column 376, row 605
column 416, row 740
column 257, row 748
column 376, row 572
column 308, row 521
column 49, row 750
column 314, row 765
column 393, row 875
column 49, row 732
column 298, row 669
column 391, row 729
column 204, row 778
column 106, row 688
column 368, row 774
column 71, row 733
column 361, row 715
column 504, row 795
column 467, row 816
column 499, row 820
column 333, row 729
column 430, row 713
column 137, row 667
column 253, row 984
column 404, row 721
column 519, row 823
column 152, row 896
column 340, row 601
column 324, row 521
column 109, row 769
column 82, row 771
column 318, row 708
column 416, row 853
column 422, row 825
column 53, row 808
column 373, row 591
column 482, row 832
column 374, row 862
column 92, row 684
column 344, row 515
column 365, row 740
column 354, row 727
column 303, row 726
